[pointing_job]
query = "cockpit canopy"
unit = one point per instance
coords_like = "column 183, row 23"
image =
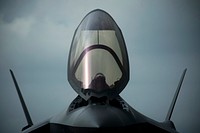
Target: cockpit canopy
column 98, row 61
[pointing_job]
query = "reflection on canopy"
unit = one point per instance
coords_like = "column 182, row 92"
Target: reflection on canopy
column 97, row 58
column 91, row 37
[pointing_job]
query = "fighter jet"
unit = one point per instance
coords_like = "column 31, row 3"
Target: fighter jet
column 98, row 70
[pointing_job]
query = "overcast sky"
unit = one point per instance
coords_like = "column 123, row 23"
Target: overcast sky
column 162, row 38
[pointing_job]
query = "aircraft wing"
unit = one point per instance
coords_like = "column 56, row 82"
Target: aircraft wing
column 43, row 127
column 58, row 128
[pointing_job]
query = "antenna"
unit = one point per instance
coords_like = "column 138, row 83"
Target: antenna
column 169, row 114
column 28, row 118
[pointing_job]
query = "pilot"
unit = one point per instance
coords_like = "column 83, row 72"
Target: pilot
column 99, row 83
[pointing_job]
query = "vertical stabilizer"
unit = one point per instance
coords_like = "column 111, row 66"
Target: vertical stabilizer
column 28, row 118
column 168, row 117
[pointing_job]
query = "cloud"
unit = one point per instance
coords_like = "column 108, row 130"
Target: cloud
column 19, row 27
column 10, row 10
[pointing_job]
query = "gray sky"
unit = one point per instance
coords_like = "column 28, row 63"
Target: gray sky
column 162, row 37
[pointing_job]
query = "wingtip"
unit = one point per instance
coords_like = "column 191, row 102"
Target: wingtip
column 185, row 70
column 10, row 70
column 170, row 111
